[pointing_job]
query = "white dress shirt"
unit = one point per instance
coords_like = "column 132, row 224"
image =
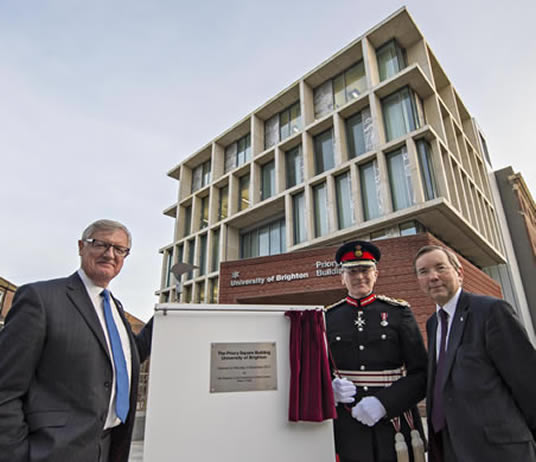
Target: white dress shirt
column 94, row 293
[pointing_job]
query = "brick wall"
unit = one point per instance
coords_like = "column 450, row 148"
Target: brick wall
column 396, row 278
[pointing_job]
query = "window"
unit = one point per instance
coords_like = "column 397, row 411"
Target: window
column 268, row 239
column 282, row 125
column 336, row 92
column 349, row 85
column 294, row 164
column 377, row 235
column 298, row 213
column 370, row 191
column 243, row 186
column 238, row 153
column 324, row 155
column 391, row 59
column 187, row 220
column 345, row 208
column 169, row 264
column 400, row 113
column 213, row 294
column 223, row 206
column 203, row 218
column 408, row 228
column 203, row 254
column 400, row 179
column 320, row 197
column 201, row 176
column 187, row 295
column 215, row 261
column 268, row 180
column 191, row 251
column 355, row 135
column 200, row 295
column 289, row 121
column 427, row 169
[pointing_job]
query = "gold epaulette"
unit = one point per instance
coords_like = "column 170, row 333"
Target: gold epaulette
column 340, row 302
column 392, row 301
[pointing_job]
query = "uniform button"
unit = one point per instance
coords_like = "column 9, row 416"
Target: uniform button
column 361, row 347
column 384, row 336
column 360, row 329
column 338, row 338
column 365, row 388
column 362, row 367
column 107, row 384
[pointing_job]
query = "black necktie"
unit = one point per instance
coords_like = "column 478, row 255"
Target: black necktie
column 438, row 410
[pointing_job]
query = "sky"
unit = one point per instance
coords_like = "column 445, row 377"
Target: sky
column 100, row 99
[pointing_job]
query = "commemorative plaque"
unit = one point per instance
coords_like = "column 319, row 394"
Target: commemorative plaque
column 243, row 367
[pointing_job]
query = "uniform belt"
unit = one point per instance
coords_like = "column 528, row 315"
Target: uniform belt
column 373, row 378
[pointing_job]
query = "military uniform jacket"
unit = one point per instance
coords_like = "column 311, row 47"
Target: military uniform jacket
column 382, row 335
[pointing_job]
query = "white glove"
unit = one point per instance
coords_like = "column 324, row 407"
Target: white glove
column 368, row 411
column 343, row 390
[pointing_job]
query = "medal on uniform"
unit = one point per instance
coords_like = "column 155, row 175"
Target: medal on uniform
column 384, row 322
column 359, row 322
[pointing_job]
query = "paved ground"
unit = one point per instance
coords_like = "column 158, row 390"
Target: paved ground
column 136, row 452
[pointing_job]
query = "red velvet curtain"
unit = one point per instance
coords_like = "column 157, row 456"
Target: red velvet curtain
column 311, row 395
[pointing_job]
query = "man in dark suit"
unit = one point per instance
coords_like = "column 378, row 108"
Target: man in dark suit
column 481, row 394
column 69, row 361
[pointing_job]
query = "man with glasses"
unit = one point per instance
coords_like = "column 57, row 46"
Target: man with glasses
column 379, row 364
column 481, row 398
column 69, row 361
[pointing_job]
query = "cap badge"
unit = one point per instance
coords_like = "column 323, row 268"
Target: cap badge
column 358, row 252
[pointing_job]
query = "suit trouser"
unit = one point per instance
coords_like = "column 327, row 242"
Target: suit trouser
column 441, row 449
column 104, row 446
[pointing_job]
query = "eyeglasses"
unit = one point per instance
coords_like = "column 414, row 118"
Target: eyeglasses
column 101, row 246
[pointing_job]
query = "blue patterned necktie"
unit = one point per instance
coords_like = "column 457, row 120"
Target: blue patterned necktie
column 438, row 410
column 120, row 364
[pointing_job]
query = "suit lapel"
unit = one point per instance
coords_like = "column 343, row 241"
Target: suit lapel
column 76, row 291
column 456, row 333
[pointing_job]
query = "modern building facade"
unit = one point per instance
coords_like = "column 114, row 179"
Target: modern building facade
column 373, row 143
column 7, row 291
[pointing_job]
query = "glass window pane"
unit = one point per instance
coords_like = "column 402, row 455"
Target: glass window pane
column 224, row 203
column 355, row 135
column 230, row 157
column 215, row 264
column 196, row 178
column 391, row 59
column 271, row 131
column 243, row 201
column 264, row 241
column 298, row 209
column 294, row 164
column 187, row 220
column 275, row 238
column 369, row 190
column 356, row 83
column 400, row 179
column 214, row 290
column 284, row 124
column 247, row 155
column 268, row 180
column 339, row 94
column 204, row 213
column 345, row 208
column 295, row 118
column 203, row 254
column 398, row 114
column 323, row 99
column 427, row 170
column 321, row 209
column 324, row 155
column 409, row 228
column 191, row 250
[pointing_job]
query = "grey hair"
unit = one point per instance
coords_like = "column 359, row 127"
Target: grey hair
column 451, row 256
column 106, row 225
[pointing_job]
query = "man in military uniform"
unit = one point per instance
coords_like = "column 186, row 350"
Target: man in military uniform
column 379, row 364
